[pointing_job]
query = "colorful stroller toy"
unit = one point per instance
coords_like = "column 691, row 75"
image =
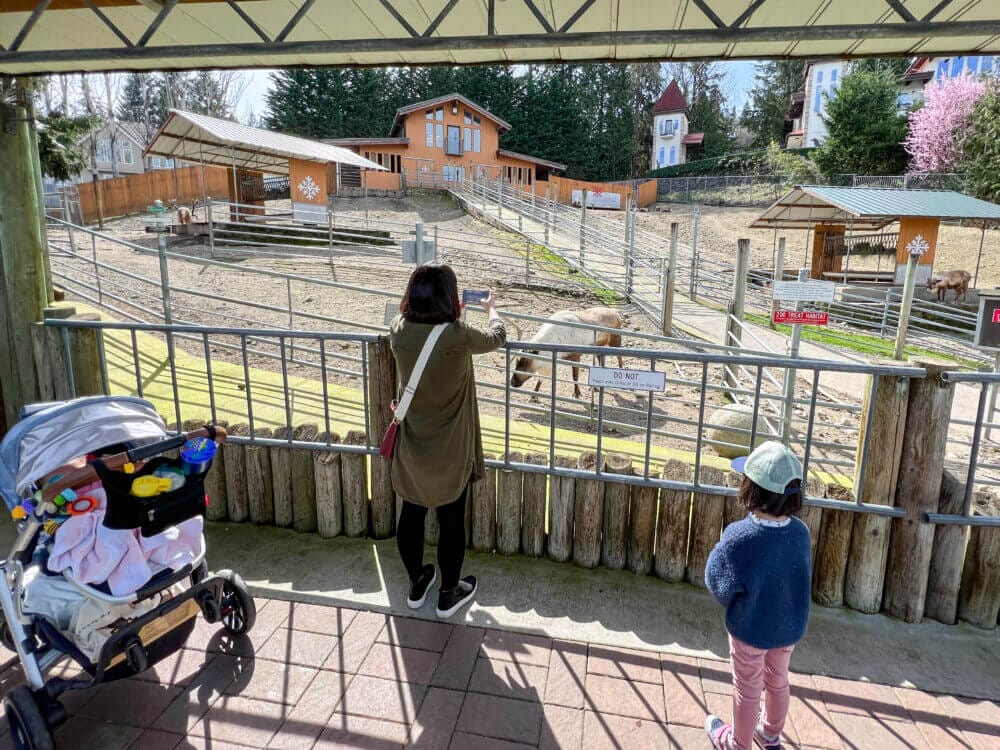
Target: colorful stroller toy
column 97, row 466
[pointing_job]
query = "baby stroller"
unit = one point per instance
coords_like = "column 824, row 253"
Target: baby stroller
column 50, row 490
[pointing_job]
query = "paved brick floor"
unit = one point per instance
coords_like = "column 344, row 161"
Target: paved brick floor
column 325, row 677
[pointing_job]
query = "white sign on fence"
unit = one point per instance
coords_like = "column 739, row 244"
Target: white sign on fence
column 598, row 200
column 391, row 311
column 627, row 380
column 804, row 291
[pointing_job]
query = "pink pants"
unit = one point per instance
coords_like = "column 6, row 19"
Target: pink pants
column 754, row 670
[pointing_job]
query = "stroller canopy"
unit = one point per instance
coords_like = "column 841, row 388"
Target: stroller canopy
column 54, row 434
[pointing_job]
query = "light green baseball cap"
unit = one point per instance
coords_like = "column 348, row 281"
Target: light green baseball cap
column 771, row 466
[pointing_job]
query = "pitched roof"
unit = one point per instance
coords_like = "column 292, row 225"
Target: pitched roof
column 693, row 139
column 502, row 125
column 671, row 100
column 533, row 159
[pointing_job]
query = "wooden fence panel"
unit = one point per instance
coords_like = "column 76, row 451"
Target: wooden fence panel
column 131, row 194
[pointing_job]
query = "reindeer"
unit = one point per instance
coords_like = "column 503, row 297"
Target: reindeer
column 957, row 280
column 528, row 367
column 183, row 215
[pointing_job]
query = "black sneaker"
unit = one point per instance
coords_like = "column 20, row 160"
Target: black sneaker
column 452, row 600
column 420, row 587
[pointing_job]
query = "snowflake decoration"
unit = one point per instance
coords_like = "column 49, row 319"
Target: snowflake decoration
column 309, row 188
column 918, row 245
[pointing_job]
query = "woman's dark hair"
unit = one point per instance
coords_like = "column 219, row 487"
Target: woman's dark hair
column 431, row 295
column 754, row 497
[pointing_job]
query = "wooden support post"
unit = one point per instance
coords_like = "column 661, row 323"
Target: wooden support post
column 670, row 281
column 260, row 490
column 812, row 516
column 215, row 484
column 979, row 601
column 918, row 491
column 354, row 483
column 237, row 503
column 381, row 392
column 707, row 512
column 870, row 537
column 304, row 481
column 948, row 556
column 830, row 568
column 614, row 539
column 84, row 354
column 588, row 516
column 642, row 529
column 329, row 495
column 672, row 526
column 281, row 480
column 734, row 511
column 510, row 484
column 562, row 499
column 50, row 357
column 533, row 508
column 484, row 511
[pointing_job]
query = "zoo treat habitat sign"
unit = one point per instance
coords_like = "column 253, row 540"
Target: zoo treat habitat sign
column 627, row 380
column 801, row 317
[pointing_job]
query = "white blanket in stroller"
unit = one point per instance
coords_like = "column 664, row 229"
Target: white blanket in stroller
column 121, row 557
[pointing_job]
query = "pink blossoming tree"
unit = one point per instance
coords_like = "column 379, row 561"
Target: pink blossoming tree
column 939, row 128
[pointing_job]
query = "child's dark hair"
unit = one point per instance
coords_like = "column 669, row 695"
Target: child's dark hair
column 754, row 497
column 431, row 295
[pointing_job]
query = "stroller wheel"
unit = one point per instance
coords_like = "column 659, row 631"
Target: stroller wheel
column 6, row 638
column 28, row 728
column 237, row 608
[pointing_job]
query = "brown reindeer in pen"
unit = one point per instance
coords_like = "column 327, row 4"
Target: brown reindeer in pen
column 957, row 280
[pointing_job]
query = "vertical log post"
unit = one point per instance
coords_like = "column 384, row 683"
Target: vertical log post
column 588, row 516
column 83, row 351
column 236, row 475
column 948, row 555
column 672, row 527
column 734, row 511
column 533, row 508
column 870, row 537
column 979, row 600
column 260, row 490
column 510, row 484
column 354, row 483
column 832, row 551
column 562, row 498
column 614, row 539
column 304, row 481
column 642, row 529
column 215, row 484
column 50, row 356
column 484, row 511
column 918, row 491
column 707, row 512
column 381, row 392
column 812, row 516
column 329, row 495
column 281, row 480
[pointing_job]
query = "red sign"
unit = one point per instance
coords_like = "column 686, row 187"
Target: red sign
column 996, row 315
column 801, row 317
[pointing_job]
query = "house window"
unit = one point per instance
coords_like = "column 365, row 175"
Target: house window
column 942, row 70
column 429, row 135
column 833, row 81
column 439, row 136
column 125, row 154
column 439, row 114
column 673, row 154
column 453, row 174
column 661, row 158
column 103, row 149
column 818, row 101
column 454, row 141
column 476, row 143
column 987, row 65
column 956, row 67
column 468, row 119
column 972, row 64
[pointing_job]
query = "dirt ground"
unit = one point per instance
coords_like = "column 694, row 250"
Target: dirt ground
column 483, row 256
column 720, row 227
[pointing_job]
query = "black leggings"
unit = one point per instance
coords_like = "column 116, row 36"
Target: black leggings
column 451, row 543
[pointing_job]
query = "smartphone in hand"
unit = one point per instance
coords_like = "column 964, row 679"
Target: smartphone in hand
column 474, row 296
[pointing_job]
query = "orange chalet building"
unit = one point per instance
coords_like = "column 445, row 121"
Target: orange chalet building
column 441, row 141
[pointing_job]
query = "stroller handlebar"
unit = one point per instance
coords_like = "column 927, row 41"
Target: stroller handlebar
column 87, row 473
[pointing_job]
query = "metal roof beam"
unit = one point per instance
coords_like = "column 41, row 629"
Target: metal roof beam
column 290, row 26
column 901, row 10
column 399, row 17
column 109, row 23
column 440, row 17
column 157, row 22
column 933, row 12
column 710, row 14
column 576, row 16
column 29, row 25
column 539, row 15
column 491, row 13
column 248, row 21
column 745, row 15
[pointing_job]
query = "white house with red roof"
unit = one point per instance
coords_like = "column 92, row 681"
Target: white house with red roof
column 672, row 143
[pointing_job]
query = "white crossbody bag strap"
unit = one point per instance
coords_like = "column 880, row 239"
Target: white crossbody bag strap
column 418, row 370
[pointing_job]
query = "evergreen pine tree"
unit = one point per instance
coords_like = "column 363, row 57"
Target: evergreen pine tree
column 774, row 84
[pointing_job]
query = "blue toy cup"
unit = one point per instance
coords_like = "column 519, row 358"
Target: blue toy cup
column 197, row 455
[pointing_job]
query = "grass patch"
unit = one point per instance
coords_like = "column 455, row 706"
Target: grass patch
column 556, row 265
column 871, row 346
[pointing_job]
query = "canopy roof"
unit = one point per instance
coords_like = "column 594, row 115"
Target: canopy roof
column 869, row 208
column 199, row 138
column 43, row 36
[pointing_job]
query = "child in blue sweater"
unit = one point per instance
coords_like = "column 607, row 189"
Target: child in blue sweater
column 760, row 573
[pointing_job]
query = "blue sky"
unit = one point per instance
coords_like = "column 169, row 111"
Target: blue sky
column 740, row 79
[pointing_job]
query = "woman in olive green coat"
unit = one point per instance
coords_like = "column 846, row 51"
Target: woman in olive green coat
column 439, row 451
